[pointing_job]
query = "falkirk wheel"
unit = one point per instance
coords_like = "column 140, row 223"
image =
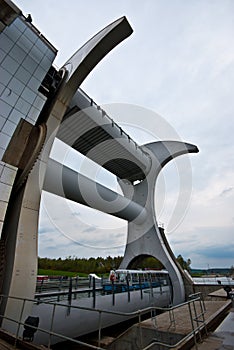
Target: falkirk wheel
column 68, row 114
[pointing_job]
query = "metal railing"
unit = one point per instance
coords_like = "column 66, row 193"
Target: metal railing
column 196, row 322
column 209, row 281
column 50, row 331
column 64, row 287
column 74, row 288
column 114, row 124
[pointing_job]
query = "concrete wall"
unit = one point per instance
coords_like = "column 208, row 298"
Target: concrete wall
column 136, row 338
column 206, row 289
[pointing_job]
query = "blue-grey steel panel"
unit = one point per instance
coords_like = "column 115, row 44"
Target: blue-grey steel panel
column 45, row 63
column 20, row 25
column 25, row 43
column 2, row 55
column 41, row 46
column 23, row 75
column 15, row 116
column 36, row 54
column 9, row 128
column 22, row 106
column 5, row 76
column 6, row 43
column 29, row 64
column 2, row 87
column 4, row 140
column 2, row 122
column 39, row 101
column 31, row 35
column 5, row 108
column 40, row 73
column 9, row 97
column 10, row 65
column 28, row 95
column 18, row 54
column 12, row 32
column 33, row 113
column 16, row 85
column 34, row 83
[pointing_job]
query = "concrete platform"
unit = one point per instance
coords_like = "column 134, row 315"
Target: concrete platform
column 182, row 322
column 7, row 342
column 171, row 328
column 219, row 294
column 222, row 338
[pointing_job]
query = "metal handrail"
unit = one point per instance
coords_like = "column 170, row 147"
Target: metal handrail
column 195, row 330
column 52, row 334
column 199, row 318
column 138, row 313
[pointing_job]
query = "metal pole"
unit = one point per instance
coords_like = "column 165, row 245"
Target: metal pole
column 140, row 287
column 127, row 282
column 20, row 320
column 70, row 291
column 196, row 318
column 41, row 287
column 203, row 302
column 51, row 325
column 99, row 328
column 94, row 292
column 69, row 297
column 202, row 313
column 60, row 282
column 191, row 318
column 160, row 282
column 113, row 292
column 151, row 287
column 140, row 330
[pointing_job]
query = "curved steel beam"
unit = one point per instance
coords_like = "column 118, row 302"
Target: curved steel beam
column 67, row 183
column 92, row 52
column 164, row 151
column 146, row 238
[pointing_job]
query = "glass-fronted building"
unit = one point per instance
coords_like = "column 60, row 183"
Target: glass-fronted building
column 25, row 59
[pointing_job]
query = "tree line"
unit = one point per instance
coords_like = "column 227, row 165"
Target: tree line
column 99, row 265
column 81, row 265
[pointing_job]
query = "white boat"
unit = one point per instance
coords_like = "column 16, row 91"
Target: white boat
column 129, row 291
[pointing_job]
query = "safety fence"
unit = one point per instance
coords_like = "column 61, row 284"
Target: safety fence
column 195, row 305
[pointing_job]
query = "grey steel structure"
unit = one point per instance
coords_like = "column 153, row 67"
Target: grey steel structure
column 38, row 103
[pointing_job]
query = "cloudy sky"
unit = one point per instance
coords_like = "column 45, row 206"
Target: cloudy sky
column 178, row 68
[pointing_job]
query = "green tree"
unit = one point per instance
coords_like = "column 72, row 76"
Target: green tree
column 151, row 262
column 184, row 264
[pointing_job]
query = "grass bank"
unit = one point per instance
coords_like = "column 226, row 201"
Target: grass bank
column 48, row 272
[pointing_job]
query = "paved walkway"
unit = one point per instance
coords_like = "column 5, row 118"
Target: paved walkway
column 182, row 322
column 222, row 338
